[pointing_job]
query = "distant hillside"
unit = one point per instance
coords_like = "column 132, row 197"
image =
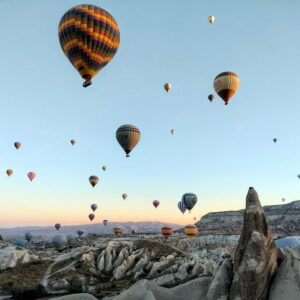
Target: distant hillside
column 40, row 232
column 284, row 219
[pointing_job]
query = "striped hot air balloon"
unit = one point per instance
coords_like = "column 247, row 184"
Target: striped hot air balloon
column 117, row 231
column 182, row 207
column 90, row 37
column 166, row 231
column 190, row 231
column 226, row 84
column 128, row 136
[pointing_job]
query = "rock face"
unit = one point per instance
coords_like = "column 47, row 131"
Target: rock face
column 284, row 219
column 286, row 284
column 255, row 261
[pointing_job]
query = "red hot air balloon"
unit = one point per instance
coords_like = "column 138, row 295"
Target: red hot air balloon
column 31, row 175
column 156, row 203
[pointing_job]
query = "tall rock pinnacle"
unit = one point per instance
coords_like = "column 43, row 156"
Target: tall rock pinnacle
column 255, row 260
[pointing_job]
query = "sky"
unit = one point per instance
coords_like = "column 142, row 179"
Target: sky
column 217, row 152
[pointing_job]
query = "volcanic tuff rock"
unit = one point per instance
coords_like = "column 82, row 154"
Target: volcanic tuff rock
column 284, row 220
column 255, row 259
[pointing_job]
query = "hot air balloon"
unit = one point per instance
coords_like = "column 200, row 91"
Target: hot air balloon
column 59, row 242
column 189, row 200
column 94, row 207
column 91, row 217
column 182, row 206
column 211, row 19
column 195, row 219
column 128, row 136
column 28, row 236
column 275, row 140
column 57, row 226
column 9, row 172
column 167, row 87
column 17, row 145
column 190, row 231
column 156, row 203
column 172, row 131
column 104, row 168
column 124, row 196
column 117, row 231
column 80, row 232
column 211, row 97
column 105, row 222
column 283, row 199
column 73, row 142
column 226, row 84
column 93, row 180
column 298, row 176
column 31, row 175
column 89, row 36
column 21, row 243
column 166, row 231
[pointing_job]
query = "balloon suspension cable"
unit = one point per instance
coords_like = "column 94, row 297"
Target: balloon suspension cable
column 87, row 83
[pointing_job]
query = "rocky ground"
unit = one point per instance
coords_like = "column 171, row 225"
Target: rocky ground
column 136, row 267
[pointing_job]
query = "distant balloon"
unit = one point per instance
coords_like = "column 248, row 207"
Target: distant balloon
column 166, row 231
column 195, row 218
column 155, row 203
column 73, row 142
column 80, row 232
column 9, row 172
column 283, row 199
column 128, row 136
column 190, row 231
column 298, row 176
column 59, row 242
column 21, row 243
column 211, row 19
column 94, row 207
column 182, row 206
column 211, row 97
column 124, row 196
column 17, row 145
column 117, row 231
column 57, row 226
column 104, row 168
column 31, row 175
column 28, row 236
column 105, row 222
column 89, row 36
column 167, row 87
column 91, row 217
column 189, row 200
column 172, row 131
column 226, row 84
column 93, row 180
column 275, row 140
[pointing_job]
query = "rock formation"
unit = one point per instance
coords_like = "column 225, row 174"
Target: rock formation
column 255, row 260
column 284, row 220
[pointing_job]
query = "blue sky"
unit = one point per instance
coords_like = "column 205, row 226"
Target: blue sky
column 218, row 151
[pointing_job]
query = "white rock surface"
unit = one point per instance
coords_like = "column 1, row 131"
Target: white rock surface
column 82, row 296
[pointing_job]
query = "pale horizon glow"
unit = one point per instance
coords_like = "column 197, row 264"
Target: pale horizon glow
column 217, row 151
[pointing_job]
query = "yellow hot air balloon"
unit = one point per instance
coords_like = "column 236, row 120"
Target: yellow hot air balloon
column 117, row 231
column 90, row 37
column 167, row 87
column 226, row 84
column 128, row 136
column 211, row 19
column 190, row 231
column 166, row 231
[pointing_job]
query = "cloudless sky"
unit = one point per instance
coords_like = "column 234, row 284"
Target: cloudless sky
column 217, row 152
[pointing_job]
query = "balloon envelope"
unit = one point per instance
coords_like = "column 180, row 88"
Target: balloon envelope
column 166, row 231
column 182, row 206
column 189, row 200
column 156, row 203
column 91, row 217
column 105, row 222
column 9, row 172
column 31, row 175
column 211, row 97
column 226, row 84
column 93, row 180
column 211, row 19
column 128, row 137
column 124, row 196
column 80, row 232
column 167, row 87
column 17, row 145
column 89, row 36
column 94, row 207
column 104, row 168
column 59, row 242
column 172, row 131
column 28, row 236
column 57, row 226
column 21, row 243
column 275, row 140
column 190, row 231
column 73, row 142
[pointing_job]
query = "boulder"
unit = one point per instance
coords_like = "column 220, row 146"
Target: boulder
column 255, row 260
column 286, row 284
